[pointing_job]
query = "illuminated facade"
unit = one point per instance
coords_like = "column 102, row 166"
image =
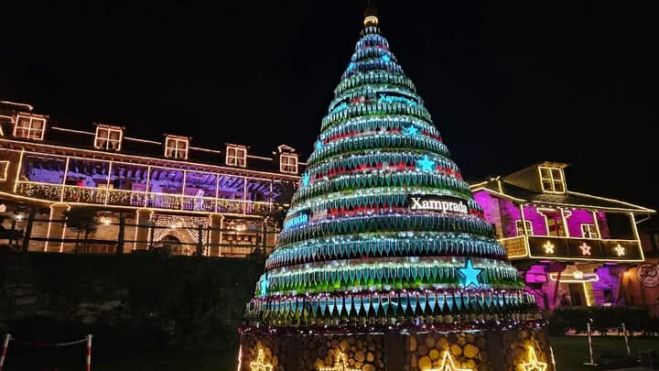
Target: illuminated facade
column 168, row 183
column 573, row 248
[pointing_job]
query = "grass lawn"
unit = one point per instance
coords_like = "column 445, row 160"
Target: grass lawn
column 570, row 353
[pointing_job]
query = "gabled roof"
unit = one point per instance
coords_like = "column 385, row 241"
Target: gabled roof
column 503, row 188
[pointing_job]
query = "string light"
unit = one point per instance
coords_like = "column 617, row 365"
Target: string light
column 448, row 364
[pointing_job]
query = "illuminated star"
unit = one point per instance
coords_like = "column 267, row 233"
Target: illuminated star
column 585, row 249
column 470, row 274
column 620, row 251
column 533, row 363
column 306, row 179
column 448, row 364
column 549, row 247
column 340, row 364
column 318, row 145
column 411, row 131
column 425, row 164
column 259, row 364
column 263, row 289
column 386, row 58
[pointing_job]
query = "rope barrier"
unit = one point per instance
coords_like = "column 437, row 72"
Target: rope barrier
column 87, row 339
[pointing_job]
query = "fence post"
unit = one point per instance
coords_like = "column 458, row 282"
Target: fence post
column 3, row 353
column 152, row 232
column 200, row 240
column 120, row 237
column 88, row 359
column 28, row 231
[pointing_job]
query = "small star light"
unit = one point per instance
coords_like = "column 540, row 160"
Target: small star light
column 620, row 251
column 306, row 179
column 448, row 364
column 533, row 363
column 470, row 274
column 425, row 164
column 340, row 364
column 386, row 58
column 259, row 364
column 263, row 289
column 318, row 145
column 549, row 247
column 411, row 131
column 585, row 249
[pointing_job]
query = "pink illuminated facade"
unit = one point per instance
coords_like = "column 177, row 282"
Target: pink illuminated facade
column 573, row 248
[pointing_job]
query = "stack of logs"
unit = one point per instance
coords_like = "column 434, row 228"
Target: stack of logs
column 466, row 349
column 364, row 353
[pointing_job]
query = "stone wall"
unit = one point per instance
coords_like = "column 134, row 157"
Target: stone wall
column 139, row 300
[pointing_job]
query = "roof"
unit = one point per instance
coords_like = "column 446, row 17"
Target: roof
column 61, row 136
column 570, row 198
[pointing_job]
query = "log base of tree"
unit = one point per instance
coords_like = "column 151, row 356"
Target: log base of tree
column 422, row 350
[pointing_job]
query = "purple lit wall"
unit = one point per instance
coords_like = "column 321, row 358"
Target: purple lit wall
column 490, row 206
column 538, row 222
column 603, row 225
column 576, row 219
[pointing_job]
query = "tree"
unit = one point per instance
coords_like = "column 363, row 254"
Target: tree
column 83, row 220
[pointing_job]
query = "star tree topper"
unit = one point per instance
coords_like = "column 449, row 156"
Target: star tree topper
column 470, row 274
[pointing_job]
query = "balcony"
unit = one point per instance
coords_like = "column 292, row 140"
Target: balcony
column 570, row 248
column 139, row 199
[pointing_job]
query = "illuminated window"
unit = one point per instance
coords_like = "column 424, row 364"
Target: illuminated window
column 236, row 156
column 29, row 127
column 520, row 227
column 176, row 147
column 4, row 170
column 589, row 231
column 552, row 179
column 108, row 137
column 288, row 163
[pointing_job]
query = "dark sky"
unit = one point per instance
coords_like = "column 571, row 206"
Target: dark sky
column 508, row 83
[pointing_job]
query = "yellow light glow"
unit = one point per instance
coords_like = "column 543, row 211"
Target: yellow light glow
column 371, row 19
column 549, row 247
column 585, row 249
column 105, row 220
column 448, row 364
column 259, row 364
column 340, row 364
column 620, row 251
column 533, row 364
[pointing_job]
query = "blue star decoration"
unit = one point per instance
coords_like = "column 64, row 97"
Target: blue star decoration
column 411, row 131
column 470, row 274
column 386, row 58
column 263, row 289
column 425, row 164
column 306, row 179
column 318, row 145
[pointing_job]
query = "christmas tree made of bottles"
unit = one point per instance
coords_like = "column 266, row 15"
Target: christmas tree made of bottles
column 383, row 236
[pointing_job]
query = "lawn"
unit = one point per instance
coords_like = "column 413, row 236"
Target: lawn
column 570, row 352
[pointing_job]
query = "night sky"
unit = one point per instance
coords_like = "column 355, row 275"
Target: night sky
column 508, row 83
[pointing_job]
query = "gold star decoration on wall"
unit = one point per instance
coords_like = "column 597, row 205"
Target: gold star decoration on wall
column 340, row 364
column 448, row 364
column 549, row 247
column 533, row 364
column 260, row 364
column 620, row 251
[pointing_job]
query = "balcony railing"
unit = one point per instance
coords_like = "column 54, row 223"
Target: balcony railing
column 137, row 199
column 571, row 248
